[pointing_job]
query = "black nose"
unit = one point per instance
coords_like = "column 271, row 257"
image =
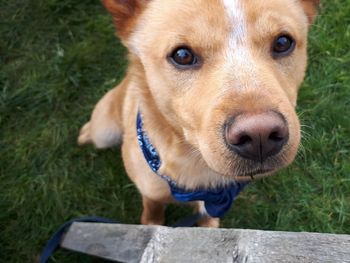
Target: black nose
column 257, row 137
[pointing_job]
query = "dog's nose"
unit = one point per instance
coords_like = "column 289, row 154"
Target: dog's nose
column 257, row 137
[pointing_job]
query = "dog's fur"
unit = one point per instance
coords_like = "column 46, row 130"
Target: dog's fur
column 184, row 110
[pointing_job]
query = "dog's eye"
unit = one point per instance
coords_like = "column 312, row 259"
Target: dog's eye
column 283, row 46
column 183, row 57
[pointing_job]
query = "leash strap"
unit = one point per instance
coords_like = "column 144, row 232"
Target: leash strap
column 55, row 240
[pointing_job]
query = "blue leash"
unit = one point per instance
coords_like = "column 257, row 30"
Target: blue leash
column 55, row 240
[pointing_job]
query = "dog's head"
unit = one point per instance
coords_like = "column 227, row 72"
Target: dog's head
column 225, row 74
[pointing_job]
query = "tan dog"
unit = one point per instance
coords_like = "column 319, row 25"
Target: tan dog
column 216, row 84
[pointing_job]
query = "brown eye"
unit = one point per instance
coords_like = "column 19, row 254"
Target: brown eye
column 283, row 46
column 183, row 57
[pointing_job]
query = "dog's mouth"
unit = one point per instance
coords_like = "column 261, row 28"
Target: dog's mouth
column 249, row 170
column 234, row 168
column 255, row 174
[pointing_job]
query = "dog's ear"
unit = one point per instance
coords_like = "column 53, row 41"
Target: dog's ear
column 311, row 8
column 125, row 14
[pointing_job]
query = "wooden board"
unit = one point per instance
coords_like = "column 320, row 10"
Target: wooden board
column 137, row 243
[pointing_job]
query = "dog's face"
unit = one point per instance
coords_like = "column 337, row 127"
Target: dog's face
column 225, row 74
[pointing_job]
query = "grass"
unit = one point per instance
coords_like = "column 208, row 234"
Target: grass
column 58, row 57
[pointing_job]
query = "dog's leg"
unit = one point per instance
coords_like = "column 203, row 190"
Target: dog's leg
column 105, row 128
column 153, row 212
column 206, row 220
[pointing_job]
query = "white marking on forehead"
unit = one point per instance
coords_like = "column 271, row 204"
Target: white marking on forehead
column 238, row 53
column 236, row 14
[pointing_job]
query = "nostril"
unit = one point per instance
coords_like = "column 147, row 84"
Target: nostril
column 244, row 139
column 276, row 136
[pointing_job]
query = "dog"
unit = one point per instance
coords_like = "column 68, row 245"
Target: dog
column 208, row 101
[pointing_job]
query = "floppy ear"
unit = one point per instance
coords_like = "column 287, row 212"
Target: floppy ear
column 311, row 8
column 125, row 14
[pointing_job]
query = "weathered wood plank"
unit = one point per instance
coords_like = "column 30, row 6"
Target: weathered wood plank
column 135, row 243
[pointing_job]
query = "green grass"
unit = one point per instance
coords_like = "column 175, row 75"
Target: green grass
column 58, row 57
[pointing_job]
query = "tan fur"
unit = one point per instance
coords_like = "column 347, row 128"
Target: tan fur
column 184, row 110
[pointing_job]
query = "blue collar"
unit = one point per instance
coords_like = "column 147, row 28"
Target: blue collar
column 217, row 201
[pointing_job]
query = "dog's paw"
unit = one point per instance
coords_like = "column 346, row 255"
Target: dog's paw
column 205, row 220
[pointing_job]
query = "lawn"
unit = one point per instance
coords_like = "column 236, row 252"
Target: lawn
column 58, row 57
